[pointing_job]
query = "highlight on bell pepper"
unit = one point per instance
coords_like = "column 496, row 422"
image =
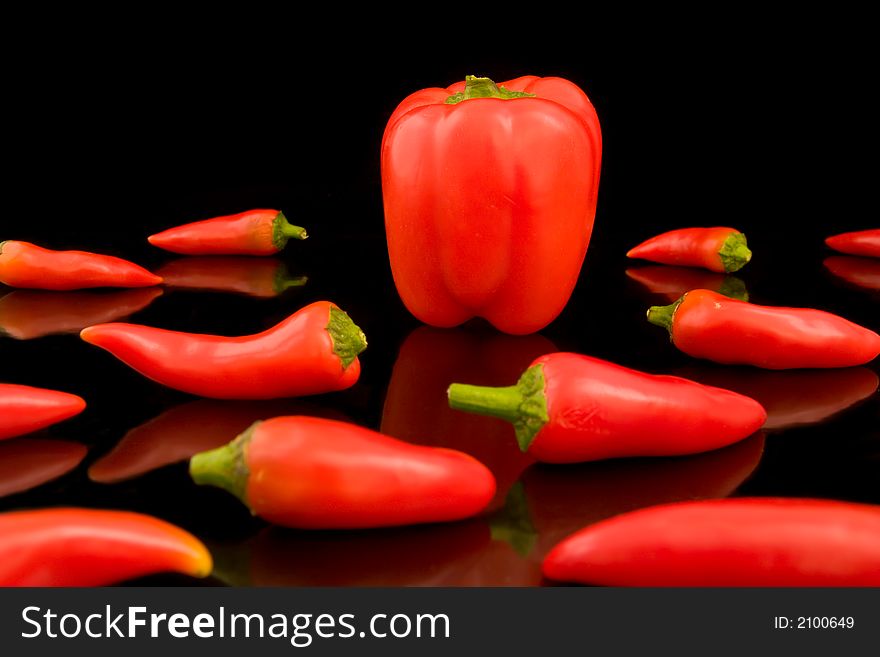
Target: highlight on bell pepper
column 416, row 410
column 490, row 195
column 29, row 266
column 568, row 408
column 671, row 282
column 26, row 463
column 718, row 249
column 344, row 476
column 863, row 273
column 859, row 243
column 313, row 351
column 707, row 325
column 792, row 398
column 254, row 277
column 735, row 542
column 25, row 314
column 183, row 431
column 24, row 409
column 92, row 547
column 255, row 232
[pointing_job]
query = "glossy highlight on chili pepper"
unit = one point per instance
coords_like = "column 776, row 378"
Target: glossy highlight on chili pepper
column 707, row 325
column 26, row 314
column 26, row 463
column 735, row 542
column 311, row 352
column 89, row 547
column 24, row 409
column 502, row 232
column 568, row 408
column 313, row 473
column 29, row 266
column 671, row 282
column 185, row 430
column 717, row 249
column 863, row 273
column 859, row 243
column 255, row 232
column 263, row 278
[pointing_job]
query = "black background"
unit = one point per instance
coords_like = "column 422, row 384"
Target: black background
column 111, row 137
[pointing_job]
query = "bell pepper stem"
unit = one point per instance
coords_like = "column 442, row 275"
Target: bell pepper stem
column 475, row 87
column 224, row 467
column 524, row 404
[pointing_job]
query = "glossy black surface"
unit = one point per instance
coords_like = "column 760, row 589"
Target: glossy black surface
column 721, row 142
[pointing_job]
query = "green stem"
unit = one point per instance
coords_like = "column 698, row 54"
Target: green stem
column 525, row 404
column 284, row 281
column 665, row 315
column 347, row 338
column 283, row 230
column 734, row 252
column 224, row 467
column 475, row 87
column 513, row 523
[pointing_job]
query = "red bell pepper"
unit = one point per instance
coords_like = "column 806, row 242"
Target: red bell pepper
column 88, row 547
column 736, row 542
column 861, row 272
column 311, row 352
column 718, row 249
column 707, row 325
column 26, row 265
column 24, row 409
column 415, row 405
column 255, row 232
column 25, row 315
column 671, row 282
column 860, row 243
column 792, row 398
column 313, row 473
column 254, row 277
column 185, row 430
column 490, row 195
column 568, row 408
column 26, row 463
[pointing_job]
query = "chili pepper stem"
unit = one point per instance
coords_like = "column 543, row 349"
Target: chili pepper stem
column 224, row 467
column 663, row 315
column 734, row 252
column 283, row 230
column 524, row 404
column 348, row 339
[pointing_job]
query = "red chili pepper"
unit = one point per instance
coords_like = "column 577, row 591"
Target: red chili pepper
column 313, row 473
column 25, row 315
column 861, row 272
column 502, row 231
column 26, row 265
column 793, row 398
column 736, row 542
column 707, row 325
column 672, row 282
column 89, row 547
column 717, row 249
column 24, row 409
column 568, row 408
column 26, row 463
column 311, row 352
column 186, row 430
column 255, row 232
column 415, row 405
column 253, row 277
column 860, row 243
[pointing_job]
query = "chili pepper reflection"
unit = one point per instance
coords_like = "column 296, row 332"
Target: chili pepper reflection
column 254, row 277
column 27, row 314
column 430, row 359
column 181, row 432
column 505, row 549
column 860, row 272
column 26, row 463
column 671, row 282
column 792, row 398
